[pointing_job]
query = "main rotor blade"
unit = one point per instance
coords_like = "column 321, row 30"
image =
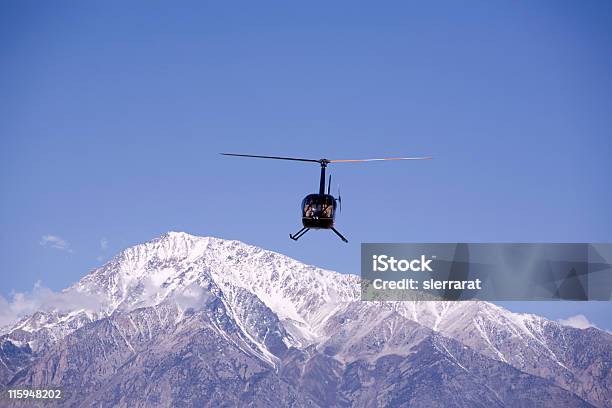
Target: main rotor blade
column 385, row 159
column 271, row 157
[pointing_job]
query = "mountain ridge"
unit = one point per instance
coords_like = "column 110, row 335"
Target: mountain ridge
column 269, row 307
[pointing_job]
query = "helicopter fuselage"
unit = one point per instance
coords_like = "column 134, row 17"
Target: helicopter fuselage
column 319, row 211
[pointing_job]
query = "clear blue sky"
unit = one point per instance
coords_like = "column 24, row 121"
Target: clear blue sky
column 112, row 115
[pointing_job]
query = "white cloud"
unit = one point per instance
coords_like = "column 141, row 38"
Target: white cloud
column 53, row 241
column 42, row 298
column 578, row 321
column 193, row 296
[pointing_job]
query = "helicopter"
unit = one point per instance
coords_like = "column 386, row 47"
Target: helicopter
column 319, row 209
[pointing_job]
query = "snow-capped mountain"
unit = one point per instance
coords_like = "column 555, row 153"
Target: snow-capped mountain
column 186, row 320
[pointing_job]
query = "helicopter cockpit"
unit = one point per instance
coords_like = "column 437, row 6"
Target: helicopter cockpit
column 318, row 211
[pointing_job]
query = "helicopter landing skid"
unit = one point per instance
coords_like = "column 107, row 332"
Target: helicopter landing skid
column 299, row 234
column 339, row 234
column 304, row 230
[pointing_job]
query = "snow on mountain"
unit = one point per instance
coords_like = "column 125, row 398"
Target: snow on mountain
column 266, row 304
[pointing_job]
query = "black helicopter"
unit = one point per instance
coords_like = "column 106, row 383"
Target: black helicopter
column 319, row 210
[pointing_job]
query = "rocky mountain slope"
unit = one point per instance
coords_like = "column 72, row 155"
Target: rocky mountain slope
column 199, row 321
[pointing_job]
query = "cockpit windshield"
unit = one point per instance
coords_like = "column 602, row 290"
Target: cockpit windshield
column 318, row 206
